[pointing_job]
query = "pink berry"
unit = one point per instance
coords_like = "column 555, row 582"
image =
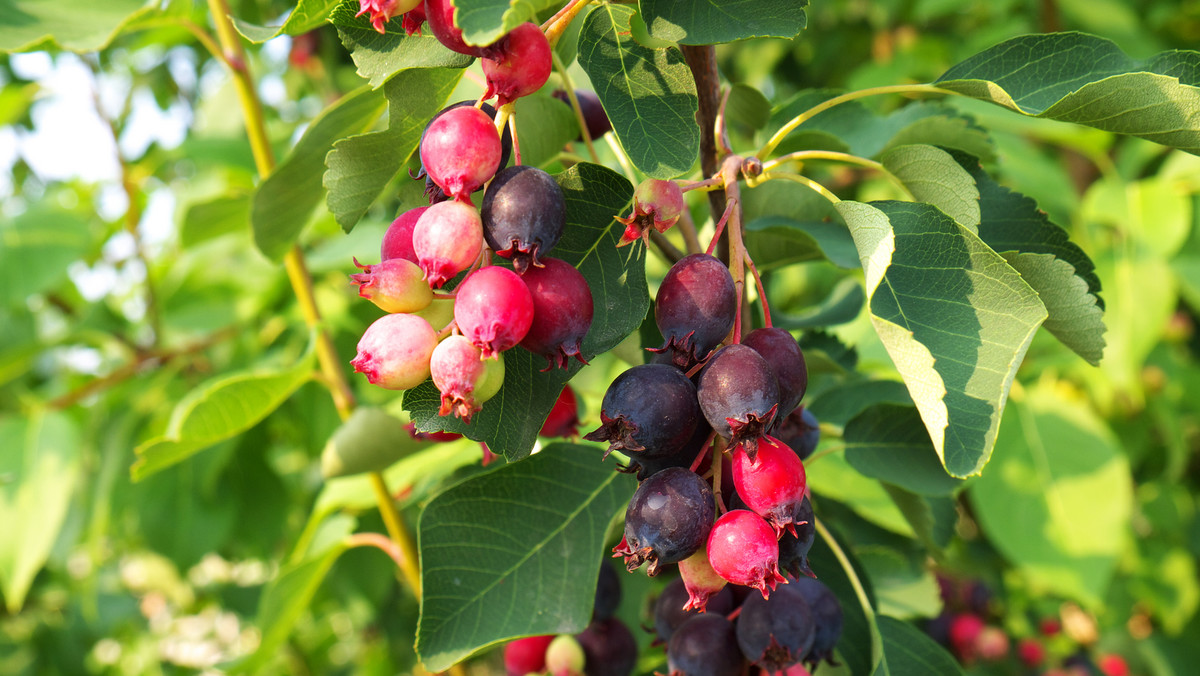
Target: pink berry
column 457, row 371
column 398, row 240
column 992, row 644
column 447, row 239
column 394, row 351
column 493, row 308
column 564, row 656
column 394, row 285
column 526, row 655
column 1031, row 652
column 772, row 484
column 700, row 580
column 563, row 420
column 562, row 312
column 522, row 66
column 440, row 14
column 657, row 204
column 461, row 150
column 382, row 11
column 1113, row 665
column 964, row 630
column 742, row 549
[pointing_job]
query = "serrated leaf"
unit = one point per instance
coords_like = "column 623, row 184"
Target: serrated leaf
column 307, row 15
column 378, row 57
column 35, row 250
column 358, row 168
column 842, row 305
column 38, row 474
column 284, row 202
column 649, row 94
column 705, row 23
column 219, row 216
column 76, row 25
column 494, row 567
column 544, row 126
column 1088, row 80
column 933, row 176
column 510, row 421
column 1039, row 504
column 890, row 443
column 485, row 21
column 218, row 410
column 910, row 652
column 748, row 107
column 945, row 131
column 955, row 318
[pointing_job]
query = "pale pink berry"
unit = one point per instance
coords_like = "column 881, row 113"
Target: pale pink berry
column 700, row 580
column 394, row 351
column 463, row 377
column 394, row 285
column 447, row 238
column 657, row 204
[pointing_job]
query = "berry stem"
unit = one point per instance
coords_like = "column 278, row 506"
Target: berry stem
column 398, row 533
column 516, row 144
column 859, row 591
column 762, row 294
column 734, row 615
column 555, row 25
column 712, row 243
column 703, row 451
column 803, row 155
column 720, row 132
column 802, row 180
column 376, row 540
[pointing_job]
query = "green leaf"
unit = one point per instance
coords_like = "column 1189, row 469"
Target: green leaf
column 890, row 443
column 76, row 25
column 307, row 15
column 220, row 216
column 218, row 410
column 39, row 471
column 510, row 421
column 495, row 566
column 825, row 351
column 360, row 167
column 842, row 402
column 910, row 652
column 904, row 587
column 776, row 241
column 649, row 94
column 933, row 518
column 842, row 306
column 1088, row 80
column 485, row 21
column 18, row 343
column 1058, row 497
column 705, row 23
column 544, row 126
column 832, row 477
column 933, row 176
column 285, row 201
column 35, row 250
column 955, row 318
column 378, row 57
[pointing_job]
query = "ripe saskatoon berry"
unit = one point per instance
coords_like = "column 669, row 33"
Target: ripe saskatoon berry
column 526, row 655
column 432, row 191
column 656, row 204
column 739, row 395
column 667, row 520
column 563, row 420
column 778, row 632
column 742, row 549
column 800, row 431
column 651, row 409
column 670, row 612
column 395, row 285
column 609, row 647
column 782, row 353
column 1114, row 665
column 826, row 615
column 564, row 656
column 398, row 240
column 461, row 150
column 694, row 308
column 562, row 312
column 594, row 117
column 448, row 238
column 608, row 593
column 394, row 351
column 462, row 377
column 793, row 548
column 383, row 10
column 523, row 215
column 440, row 15
column 772, row 483
column 521, row 67
column 705, row 645
column 700, row 580
column 493, row 308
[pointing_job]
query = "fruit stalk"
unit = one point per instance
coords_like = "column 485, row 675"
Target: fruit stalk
column 859, row 591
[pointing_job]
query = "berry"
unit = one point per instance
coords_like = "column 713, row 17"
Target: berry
column 743, row 550
column 657, row 204
column 739, row 396
column 383, row 10
column 562, row 312
column 651, row 409
column 440, row 15
column 439, row 314
column 827, row 618
column 772, row 483
column 667, row 520
column 1031, row 652
column 461, row 150
column 782, row 353
column 394, row 351
column 448, row 238
column 523, row 214
column 1113, row 665
column 563, row 420
column 493, row 308
column 594, row 117
column 705, row 645
column 398, row 240
column 778, row 632
column 564, row 656
column 992, row 644
column 526, row 655
column 412, row 20
column 700, row 580
column 521, row 67
column 434, row 437
column 694, row 308
column 964, row 630
column 801, row 431
column 609, row 647
column 608, row 593
column 793, row 547
column 462, row 377
column 432, row 191
column 670, row 612
column 395, row 285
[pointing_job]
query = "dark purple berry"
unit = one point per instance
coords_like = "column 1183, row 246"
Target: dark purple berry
column 800, row 431
column 778, row 632
column 827, row 616
column 667, row 520
column 782, row 353
column 669, row 612
column 695, row 308
column 594, row 116
column 651, row 409
column 523, row 215
column 739, row 395
column 609, row 648
column 705, row 645
column 793, row 548
column 608, row 593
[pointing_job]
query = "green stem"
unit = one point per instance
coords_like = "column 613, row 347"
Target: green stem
column 797, row 178
column 803, row 155
column 859, row 591
column 570, row 89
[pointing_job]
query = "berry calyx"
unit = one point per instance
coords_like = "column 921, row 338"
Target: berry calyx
column 562, row 312
column 493, row 308
column 667, row 520
column 657, row 204
column 772, row 483
column 742, row 549
column 739, row 396
column 381, row 11
column 395, row 285
column 412, row 20
column 700, row 580
column 523, row 214
column 394, row 351
column 521, row 66
column 447, row 238
column 563, row 420
column 461, row 376
column 694, row 308
column 398, row 240
column 460, row 150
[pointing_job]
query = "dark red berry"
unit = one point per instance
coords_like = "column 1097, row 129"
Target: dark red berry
column 523, row 213
column 827, row 618
column 461, row 150
column 493, row 308
column 440, row 15
column 447, row 238
column 562, row 312
column 651, row 409
column 705, row 645
column 435, row 437
column 609, row 647
column 394, row 351
column 594, row 116
column 694, row 308
column 412, row 20
column 526, row 655
column 772, row 483
column 742, row 549
column 739, row 395
column 563, row 420
column 521, row 66
column 667, row 520
column 1031, row 652
column 782, row 353
column 801, row 431
column 398, row 240
column 778, row 632
column 670, row 608
column 657, row 205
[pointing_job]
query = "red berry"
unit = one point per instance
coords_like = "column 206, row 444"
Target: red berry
column 394, row 351
column 440, row 15
column 1031, row 652
column 562, row 312
column 463, row 377
column 563, row 420
column 964, row 630
column 521, row 67
column 493, row 308
column 657, row 204
column 1113, row 665
column 435, row 437
column 772, row 484
column 1050, row 626
column 398, row 240
column 447, row 239
column 461, row 150
column 742, row 549
column 412, row 20
column 394, row 285
column 526, row 655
